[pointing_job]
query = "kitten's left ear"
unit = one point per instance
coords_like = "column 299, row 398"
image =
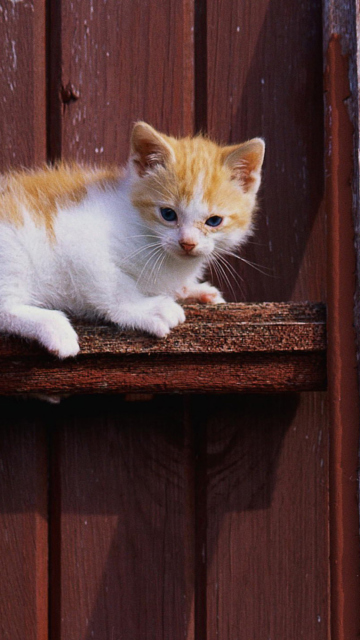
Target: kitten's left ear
column 245, row 162
column 149, row 149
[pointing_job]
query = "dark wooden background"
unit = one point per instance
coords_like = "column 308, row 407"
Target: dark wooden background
column 199, row 517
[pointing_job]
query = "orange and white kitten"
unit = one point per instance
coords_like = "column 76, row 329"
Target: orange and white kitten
column 122, row 245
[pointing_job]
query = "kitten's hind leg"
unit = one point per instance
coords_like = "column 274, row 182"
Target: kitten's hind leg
column 51, row 328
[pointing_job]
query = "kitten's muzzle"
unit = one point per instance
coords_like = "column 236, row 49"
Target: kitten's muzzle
column 187, row 246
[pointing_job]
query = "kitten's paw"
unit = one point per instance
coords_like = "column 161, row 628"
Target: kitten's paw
column 164, row 314
column 58, row 336
column 202, row 292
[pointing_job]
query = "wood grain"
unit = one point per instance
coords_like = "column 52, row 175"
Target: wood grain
column 129, row 61
column 122, row 489
column 23, row 444
column 210, row 521
column 23, row 522
column 23, row 84
column 266, row 544
column 341, row 85
column 264, row 78
column 235, row 347
column 124, row 468
column 228, row 328
column 181, row 374
column 267, row 520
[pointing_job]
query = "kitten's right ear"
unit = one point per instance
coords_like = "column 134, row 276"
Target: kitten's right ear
column 149, row 149
column 245, row 162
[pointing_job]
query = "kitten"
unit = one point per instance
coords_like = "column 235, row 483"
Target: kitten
column 122, row 245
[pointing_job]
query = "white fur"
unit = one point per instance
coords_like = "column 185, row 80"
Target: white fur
column 105, row 262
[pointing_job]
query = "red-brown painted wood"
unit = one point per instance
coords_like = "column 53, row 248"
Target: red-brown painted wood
column 266, row 373
column 227, row 348
column 128, row 572
column 22, row 80
column 122, row 481
column 209, row 329
column 343, row 383
column 125, row 61
column 23, row 522
column 224, row 502
column 267, row 542
column 23, row 448
column 264, row 78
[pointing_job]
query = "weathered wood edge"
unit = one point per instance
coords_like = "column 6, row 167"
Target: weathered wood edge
column 342, row 76
column 229, row 328
column 238, row 347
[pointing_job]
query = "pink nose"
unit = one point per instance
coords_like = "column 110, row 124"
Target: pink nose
column 187, row 246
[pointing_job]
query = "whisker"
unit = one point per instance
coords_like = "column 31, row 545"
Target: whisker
column 226, row 277
column 213, row 266
column 210, row 266
column 257, row 244
column 141, row 235
column 232, row 273
column 153, row 254
column 228, row 264
column 153, row 269
column 140, row 250
column 160, row 265
column 235, row 275
column 219, row 274
column 257, row 267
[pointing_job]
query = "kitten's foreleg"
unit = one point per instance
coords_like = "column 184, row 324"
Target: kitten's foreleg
column 202, row 292
column 51, row 328
column 155, row 315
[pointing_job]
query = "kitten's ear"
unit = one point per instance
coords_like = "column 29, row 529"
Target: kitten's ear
column 148, row 148
column 245, row 162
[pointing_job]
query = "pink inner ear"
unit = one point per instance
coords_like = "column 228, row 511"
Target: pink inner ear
column 148, row 156
column 245, row 163
column 243, row 173
column 149, row 150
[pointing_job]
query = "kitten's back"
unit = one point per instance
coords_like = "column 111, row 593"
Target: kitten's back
column 41, row 192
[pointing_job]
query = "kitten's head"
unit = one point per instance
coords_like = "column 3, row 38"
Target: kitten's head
column 197, row 196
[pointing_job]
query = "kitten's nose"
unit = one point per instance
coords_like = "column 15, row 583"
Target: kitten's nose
column 187, row 246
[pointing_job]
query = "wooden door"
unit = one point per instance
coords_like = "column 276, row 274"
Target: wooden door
column 176, row 516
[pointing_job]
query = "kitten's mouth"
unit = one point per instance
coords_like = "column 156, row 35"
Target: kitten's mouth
column 188, row 254
column 181, row 254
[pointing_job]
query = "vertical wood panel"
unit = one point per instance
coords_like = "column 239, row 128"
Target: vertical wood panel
column 267, row 543
column 124, row 524
column 265, row 79
column 22, row 81
column 340, row 45
column 23, row 523
column 123, row 501
column 127, row 60
column 267, row 523
column 23, row 449
column 124, row 538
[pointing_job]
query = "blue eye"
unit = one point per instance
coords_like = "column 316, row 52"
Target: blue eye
column 168, row 214
column 214, row 221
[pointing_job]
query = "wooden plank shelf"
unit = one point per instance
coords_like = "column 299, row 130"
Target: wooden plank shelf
column 236, row 347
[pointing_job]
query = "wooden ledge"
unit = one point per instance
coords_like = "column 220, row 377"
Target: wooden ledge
column 237, row 347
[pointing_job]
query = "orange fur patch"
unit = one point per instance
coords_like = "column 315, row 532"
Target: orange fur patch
column 43, row 191
column 195, row 158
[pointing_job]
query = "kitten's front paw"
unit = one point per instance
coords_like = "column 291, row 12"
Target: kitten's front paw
column 164, row 314
column 58, row 336
column 202, row 292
